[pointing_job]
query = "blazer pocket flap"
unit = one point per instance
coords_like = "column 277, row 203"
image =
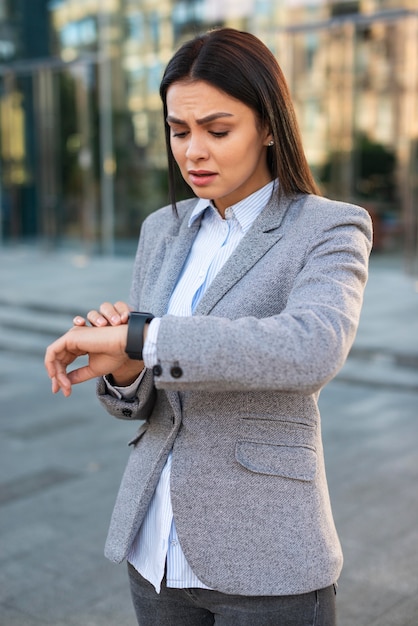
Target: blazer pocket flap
column 297, row 462
column 140, row 432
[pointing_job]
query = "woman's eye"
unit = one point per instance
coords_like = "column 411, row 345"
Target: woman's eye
column 219, row 134
column 179, row 134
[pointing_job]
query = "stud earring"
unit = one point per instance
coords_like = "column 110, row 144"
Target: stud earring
column 271, row 143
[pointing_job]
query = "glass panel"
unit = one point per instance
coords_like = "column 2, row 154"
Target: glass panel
column 81, row 133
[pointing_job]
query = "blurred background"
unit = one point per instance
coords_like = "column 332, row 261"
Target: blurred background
column 82, row 157
column 82, row 162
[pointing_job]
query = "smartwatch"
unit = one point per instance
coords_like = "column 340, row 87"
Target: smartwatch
column 135, row 339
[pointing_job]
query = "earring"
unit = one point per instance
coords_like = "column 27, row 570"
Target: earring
column 271, row 143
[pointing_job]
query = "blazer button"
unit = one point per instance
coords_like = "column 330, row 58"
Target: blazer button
column 127, row 412
column 176, row 371
column 157, row 370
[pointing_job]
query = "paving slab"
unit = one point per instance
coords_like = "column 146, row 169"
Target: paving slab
column 61, row 460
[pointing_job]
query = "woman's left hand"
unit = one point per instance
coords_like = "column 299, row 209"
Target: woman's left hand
column 104, row 348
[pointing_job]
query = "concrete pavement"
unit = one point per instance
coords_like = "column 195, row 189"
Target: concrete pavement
column 61, row 459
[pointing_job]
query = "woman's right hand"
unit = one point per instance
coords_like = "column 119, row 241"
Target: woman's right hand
column 107, row 315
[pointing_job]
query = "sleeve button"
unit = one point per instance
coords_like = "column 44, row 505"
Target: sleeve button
column 176, row 371
column 157, row 370
column 127, row 412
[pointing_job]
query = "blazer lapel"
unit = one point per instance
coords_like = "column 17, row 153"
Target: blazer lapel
column 263, row 234
column 177, row 247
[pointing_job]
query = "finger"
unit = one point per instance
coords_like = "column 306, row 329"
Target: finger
column 61, row 383
column 103, row 317
column 56, row 369
column 50, row 361
column 81, row 375
column 97, row 319
column 58, row 356
column 79, row 321
column 123, row 309
column 55, row 385
column 58, row 375
column 111, row 313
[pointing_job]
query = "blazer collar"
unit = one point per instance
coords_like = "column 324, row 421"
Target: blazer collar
column 264, row 233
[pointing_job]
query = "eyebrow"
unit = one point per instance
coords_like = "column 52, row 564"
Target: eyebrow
column 201, row 121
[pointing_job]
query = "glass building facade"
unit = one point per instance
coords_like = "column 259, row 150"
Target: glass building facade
column 82, row 158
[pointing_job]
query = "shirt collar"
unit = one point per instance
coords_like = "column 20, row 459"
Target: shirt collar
column 244, row 211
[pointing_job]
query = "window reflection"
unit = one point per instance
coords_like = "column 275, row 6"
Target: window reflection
column 350, row 65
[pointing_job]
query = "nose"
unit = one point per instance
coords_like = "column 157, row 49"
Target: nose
column 196, row 147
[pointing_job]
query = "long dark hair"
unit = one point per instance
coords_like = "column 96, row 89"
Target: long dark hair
column 240, row 65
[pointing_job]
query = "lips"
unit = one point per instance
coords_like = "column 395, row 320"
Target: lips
column 201, row 178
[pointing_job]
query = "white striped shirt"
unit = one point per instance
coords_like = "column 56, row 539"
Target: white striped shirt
column 156, row 544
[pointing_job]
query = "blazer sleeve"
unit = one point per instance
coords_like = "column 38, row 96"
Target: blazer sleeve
column 138, row 408
column 304, row 345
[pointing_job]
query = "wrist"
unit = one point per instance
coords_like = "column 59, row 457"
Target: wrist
column 126, row 375
column 137, row 328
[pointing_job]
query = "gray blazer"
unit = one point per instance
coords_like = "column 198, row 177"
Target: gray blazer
column 235, row 395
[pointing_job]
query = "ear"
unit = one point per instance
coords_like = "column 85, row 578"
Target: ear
column 268, row 138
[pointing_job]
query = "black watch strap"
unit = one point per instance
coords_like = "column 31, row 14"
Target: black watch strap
column 135, row 340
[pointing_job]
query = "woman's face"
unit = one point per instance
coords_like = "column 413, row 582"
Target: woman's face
column 217, row 143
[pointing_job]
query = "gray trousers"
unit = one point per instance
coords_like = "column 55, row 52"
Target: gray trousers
column 203, row 607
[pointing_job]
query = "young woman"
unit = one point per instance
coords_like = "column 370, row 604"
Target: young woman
column 245, row 301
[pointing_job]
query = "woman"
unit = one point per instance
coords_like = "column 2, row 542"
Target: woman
column 249, row 297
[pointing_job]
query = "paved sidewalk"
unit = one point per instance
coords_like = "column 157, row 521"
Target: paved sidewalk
column 61, row 459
